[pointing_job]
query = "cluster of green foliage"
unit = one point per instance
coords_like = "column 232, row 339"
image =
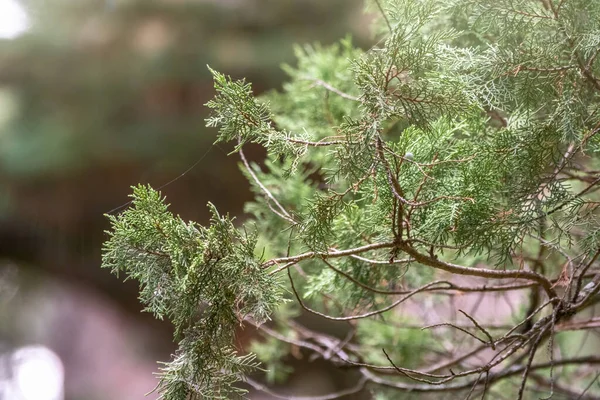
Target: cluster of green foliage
column 205, row 280
column 467, row 134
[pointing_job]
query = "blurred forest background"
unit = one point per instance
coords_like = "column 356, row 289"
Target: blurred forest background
column 98, row 95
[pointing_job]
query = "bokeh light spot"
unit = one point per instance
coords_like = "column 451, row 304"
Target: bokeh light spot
column 13, row 19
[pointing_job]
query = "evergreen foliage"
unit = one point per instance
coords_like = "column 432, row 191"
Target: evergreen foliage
column 205, row 280
column 457, row 155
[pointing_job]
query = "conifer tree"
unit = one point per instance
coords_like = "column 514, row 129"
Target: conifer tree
column 457, row 157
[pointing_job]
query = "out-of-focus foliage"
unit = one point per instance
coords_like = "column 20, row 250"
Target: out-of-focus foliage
column 272, row 354
column 100, row 82
column 403, row 345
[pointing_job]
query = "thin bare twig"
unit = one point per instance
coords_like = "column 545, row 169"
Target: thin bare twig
column 493, row 377
column 481, row 328
column 474, row 386
column 588, row 387
column 527, row 368
column 360, row 316
column 283, row 213
column 455, row 327
column 327, row 86
column 358, row 283
column 321, row 143
column 379, row 262
column 387, row 21
column 328, row 254
column 335, row 395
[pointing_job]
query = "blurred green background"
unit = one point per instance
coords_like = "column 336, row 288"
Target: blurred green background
column 98, row 95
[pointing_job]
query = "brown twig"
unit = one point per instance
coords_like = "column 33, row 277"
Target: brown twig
column 355, row 317
column 481, row 328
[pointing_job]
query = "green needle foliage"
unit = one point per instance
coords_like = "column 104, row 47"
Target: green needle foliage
column 459, row 154
column 205, row 280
